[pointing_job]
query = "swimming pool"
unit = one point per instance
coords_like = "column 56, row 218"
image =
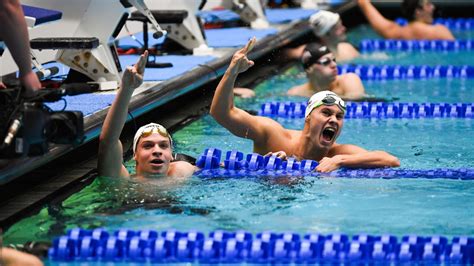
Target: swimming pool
column 396, row 206
column 323, row 205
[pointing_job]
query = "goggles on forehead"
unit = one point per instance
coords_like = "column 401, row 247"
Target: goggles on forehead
column 155, row 129
column 148, row 130
column 330, row 100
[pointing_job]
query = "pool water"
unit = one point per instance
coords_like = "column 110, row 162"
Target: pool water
column 298, row 204
column 431, row 58
column 365, row 31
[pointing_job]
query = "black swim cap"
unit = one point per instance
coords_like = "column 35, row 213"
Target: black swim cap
column 312, row 53
column 409, row 7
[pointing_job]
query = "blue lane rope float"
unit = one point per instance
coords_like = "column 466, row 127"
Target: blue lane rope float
column 171, row 246
column 451, row 23
column 371, row 45
column 254, row 165
column 376, row 110
column 389, row 72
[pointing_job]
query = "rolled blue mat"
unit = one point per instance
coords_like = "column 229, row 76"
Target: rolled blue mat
column 254, row 165
column 376, row 110
column 370, row 45
column 389, row 72
column 171, row 246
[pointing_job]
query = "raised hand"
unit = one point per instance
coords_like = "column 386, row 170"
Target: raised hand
column 133, row 75
column 240, row 62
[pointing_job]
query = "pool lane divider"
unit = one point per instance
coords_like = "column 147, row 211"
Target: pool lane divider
column 372, row 45
column 457, row 24
column 389, row 72
column 254, row 165
column 376, row 110
column 172, row 246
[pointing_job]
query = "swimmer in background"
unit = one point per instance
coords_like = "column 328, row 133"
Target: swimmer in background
column 321, row 69
column 420, row 27
column 328, row 27
column 152, row 144
column 324, row 119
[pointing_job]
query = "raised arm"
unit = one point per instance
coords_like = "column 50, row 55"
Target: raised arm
column 352, row 156
column 236, row 120
column 387, row 28
column 110, row 162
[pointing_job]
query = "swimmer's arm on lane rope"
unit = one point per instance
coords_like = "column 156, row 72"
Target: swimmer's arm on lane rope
column 236, row 120
column 351, row 156
column 110, row 162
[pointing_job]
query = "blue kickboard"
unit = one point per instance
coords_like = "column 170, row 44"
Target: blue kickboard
column 86, row 103
column 280, row 15
column 235, row 37
column 181, row 64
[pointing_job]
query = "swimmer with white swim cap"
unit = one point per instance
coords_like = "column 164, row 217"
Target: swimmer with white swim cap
column 324, row 119
column 152, row 144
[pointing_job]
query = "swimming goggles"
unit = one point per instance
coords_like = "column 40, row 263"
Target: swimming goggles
column 325, row 61
column 330, row 100
column 148, row 130
column 155, row 128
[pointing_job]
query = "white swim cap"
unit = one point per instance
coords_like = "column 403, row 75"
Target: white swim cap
column 150, row 129
column 323, row 21
column 324, row 98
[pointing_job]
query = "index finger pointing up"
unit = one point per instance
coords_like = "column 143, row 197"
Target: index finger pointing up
column 249, row 46
column 140, row 65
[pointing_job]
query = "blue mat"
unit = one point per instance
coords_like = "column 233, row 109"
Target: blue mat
column 216, row 16
column 86, row 103
column 234, row 37
column 274, row 16
column 181, row 64
column 280, row 16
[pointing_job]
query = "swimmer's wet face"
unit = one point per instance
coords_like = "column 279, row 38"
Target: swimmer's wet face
column 325, row 124
column 425, row 11
column 325, row 115
column 324, row 69
column 153, row 154
column 152, row 148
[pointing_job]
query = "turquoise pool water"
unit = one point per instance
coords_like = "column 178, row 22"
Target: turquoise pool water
column 323, row 205
column 356, row 35
column 436, row 90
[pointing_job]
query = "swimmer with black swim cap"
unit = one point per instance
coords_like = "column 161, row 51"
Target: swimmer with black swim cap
column 321, row 70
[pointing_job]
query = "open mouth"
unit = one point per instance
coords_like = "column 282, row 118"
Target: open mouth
column 157, row 161
column 329, row 133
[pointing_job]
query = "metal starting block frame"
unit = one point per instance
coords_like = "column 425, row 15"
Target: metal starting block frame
column 188, row 33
